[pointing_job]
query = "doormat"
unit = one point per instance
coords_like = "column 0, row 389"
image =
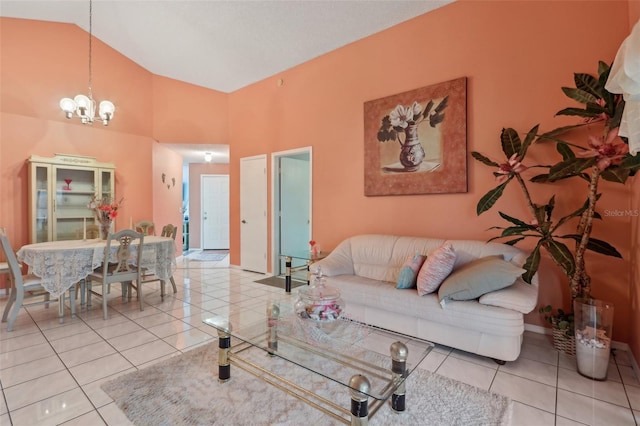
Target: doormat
column 279, row 282
column 205, row 256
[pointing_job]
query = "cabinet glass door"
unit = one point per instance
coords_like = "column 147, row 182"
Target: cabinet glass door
column 74, row 189
column 41, row 202
column 106, row 181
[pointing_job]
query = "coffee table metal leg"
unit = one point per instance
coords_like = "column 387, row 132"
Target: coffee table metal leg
column 273, row 311
column 399, row 354
column 224, row 368
column 287, row 274
column 359, row 385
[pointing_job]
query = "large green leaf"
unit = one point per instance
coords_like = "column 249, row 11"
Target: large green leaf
column 427, row 109
column 588, row 83
column 576, row 213
column 542, row 178
column 527, row 141
column 562, row 256
column 571, row 167
column 531, row 264
column 515, row 221
column 596, row 245
column 572, row 111
column 515, row 230
column 615, row 174
column 631, row 162
column 579, row 95
column 552, row 135
column 514, row 241
column 485, row 160
column 565, row 151
column 490, row 198
column 511, row 143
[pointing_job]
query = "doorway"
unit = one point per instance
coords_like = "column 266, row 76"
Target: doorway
column 215, row 212
column 291, row 205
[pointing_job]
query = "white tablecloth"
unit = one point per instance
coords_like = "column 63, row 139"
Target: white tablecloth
column 61, row 264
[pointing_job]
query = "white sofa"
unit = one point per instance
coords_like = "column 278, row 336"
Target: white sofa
column 365, row 269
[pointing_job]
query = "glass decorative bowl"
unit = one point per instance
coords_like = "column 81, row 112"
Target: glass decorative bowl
column 319, row 302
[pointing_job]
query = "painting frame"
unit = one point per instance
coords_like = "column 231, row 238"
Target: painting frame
column 427, row 126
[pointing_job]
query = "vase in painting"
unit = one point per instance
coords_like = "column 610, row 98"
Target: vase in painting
column 411, row 153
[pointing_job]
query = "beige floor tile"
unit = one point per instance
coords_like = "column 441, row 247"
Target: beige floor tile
column 76, row 341
column 628, row 376
column 86, row 353
column 53, row 411
column 66, row 331
column 467, row 372
column 21, row 342
column 124, row 327
column 539, row 352
column 100, row 368
column 92, row 418
column 31, row 370
column 592, row 411
column 3, row 405
column 95, row 393
column 45, row 386
column 154, row 319
column 188, row 338
column 169, row 328
column 609, row 391
column 532, row 370
column 563, row 421
column 147, row 352
column 476, row 359
column 28, row 354
column 526, row 415
column 633, row 393
column 113, row 415
column 4, row 420
column 128, row 341
column 526, row 391
column 433, row 361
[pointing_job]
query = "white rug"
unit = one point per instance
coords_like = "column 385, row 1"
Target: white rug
column 185, row 391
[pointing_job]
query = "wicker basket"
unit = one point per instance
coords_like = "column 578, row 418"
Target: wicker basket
column 561, row 341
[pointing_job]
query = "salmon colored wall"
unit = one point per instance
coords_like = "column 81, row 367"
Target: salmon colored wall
column 185, row 113
column 634, row 343
column 515, row 55
column 167, row 195
column 195, row 208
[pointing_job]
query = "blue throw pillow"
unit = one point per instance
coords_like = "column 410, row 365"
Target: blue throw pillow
column 409, row 272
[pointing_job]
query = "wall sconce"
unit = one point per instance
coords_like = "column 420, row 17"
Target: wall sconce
column 207, row 157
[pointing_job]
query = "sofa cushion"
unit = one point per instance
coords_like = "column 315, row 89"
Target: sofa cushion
column 478, row 277
column 435, row 269
column 409, row 272
column 520, row 296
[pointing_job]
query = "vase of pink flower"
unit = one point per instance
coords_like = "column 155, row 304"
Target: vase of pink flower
column 106, row 210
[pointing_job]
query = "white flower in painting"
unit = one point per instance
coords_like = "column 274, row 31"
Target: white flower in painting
column 417, row 109
column 400, row 116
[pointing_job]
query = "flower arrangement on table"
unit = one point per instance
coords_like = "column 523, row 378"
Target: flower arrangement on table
column 106, row 211
column 314, row 248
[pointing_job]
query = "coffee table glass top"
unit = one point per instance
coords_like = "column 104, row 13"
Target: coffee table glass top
column 336, row 350
column 305, row 255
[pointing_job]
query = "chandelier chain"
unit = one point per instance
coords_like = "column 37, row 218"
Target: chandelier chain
column 90, row 43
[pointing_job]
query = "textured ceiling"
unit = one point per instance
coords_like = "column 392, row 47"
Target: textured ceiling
column 223, row 45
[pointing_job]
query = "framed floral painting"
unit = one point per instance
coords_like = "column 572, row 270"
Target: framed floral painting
column 416, row 142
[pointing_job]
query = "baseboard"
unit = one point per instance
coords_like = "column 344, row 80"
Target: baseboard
column 621, row 346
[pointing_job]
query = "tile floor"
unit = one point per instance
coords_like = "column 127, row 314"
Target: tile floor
column 50, row 373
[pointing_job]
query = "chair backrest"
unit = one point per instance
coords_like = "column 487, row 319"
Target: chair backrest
column 122, row 269
column 169, row 231
column 14, row 266
column 146, row 227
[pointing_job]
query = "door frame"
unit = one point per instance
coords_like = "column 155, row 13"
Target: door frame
column 275, row 200
column 202, row 178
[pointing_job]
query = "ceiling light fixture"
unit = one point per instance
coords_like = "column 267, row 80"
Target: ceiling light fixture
column 84, row 106
column 207, row 157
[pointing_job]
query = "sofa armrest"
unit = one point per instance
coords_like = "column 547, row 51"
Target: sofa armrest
column 338, row 262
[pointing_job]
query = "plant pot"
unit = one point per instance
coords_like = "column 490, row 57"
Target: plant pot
column 563, row 341
column 593, row 327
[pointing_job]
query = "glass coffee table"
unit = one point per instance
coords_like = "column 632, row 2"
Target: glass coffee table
column 367, row 362
column 305, row 256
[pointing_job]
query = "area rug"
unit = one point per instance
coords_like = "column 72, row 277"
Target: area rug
column 184, row 390
column 204, row 256
column 279, row 282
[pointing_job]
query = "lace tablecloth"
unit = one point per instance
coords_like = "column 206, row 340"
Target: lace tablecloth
column 61, row 264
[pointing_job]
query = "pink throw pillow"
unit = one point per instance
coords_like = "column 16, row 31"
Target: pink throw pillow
column 435, row 269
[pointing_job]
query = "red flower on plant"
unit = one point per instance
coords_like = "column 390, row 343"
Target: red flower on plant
column 606, row 152
column 513, row 165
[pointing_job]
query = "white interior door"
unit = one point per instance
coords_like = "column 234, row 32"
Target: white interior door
column 253, row 213
column 215, row 212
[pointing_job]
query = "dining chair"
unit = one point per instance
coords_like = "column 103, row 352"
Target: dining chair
column 146, row 227
column 123, row 271
column 22, row 286
column 148, row 276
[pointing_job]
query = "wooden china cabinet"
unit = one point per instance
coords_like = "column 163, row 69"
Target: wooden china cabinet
column 60, row 189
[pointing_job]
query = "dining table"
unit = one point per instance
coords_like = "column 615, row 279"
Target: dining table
column 62, row 264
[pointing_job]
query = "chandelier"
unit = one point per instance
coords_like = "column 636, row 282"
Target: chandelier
column 84, row 107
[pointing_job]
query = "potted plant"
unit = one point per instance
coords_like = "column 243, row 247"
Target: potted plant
column 605, row 156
